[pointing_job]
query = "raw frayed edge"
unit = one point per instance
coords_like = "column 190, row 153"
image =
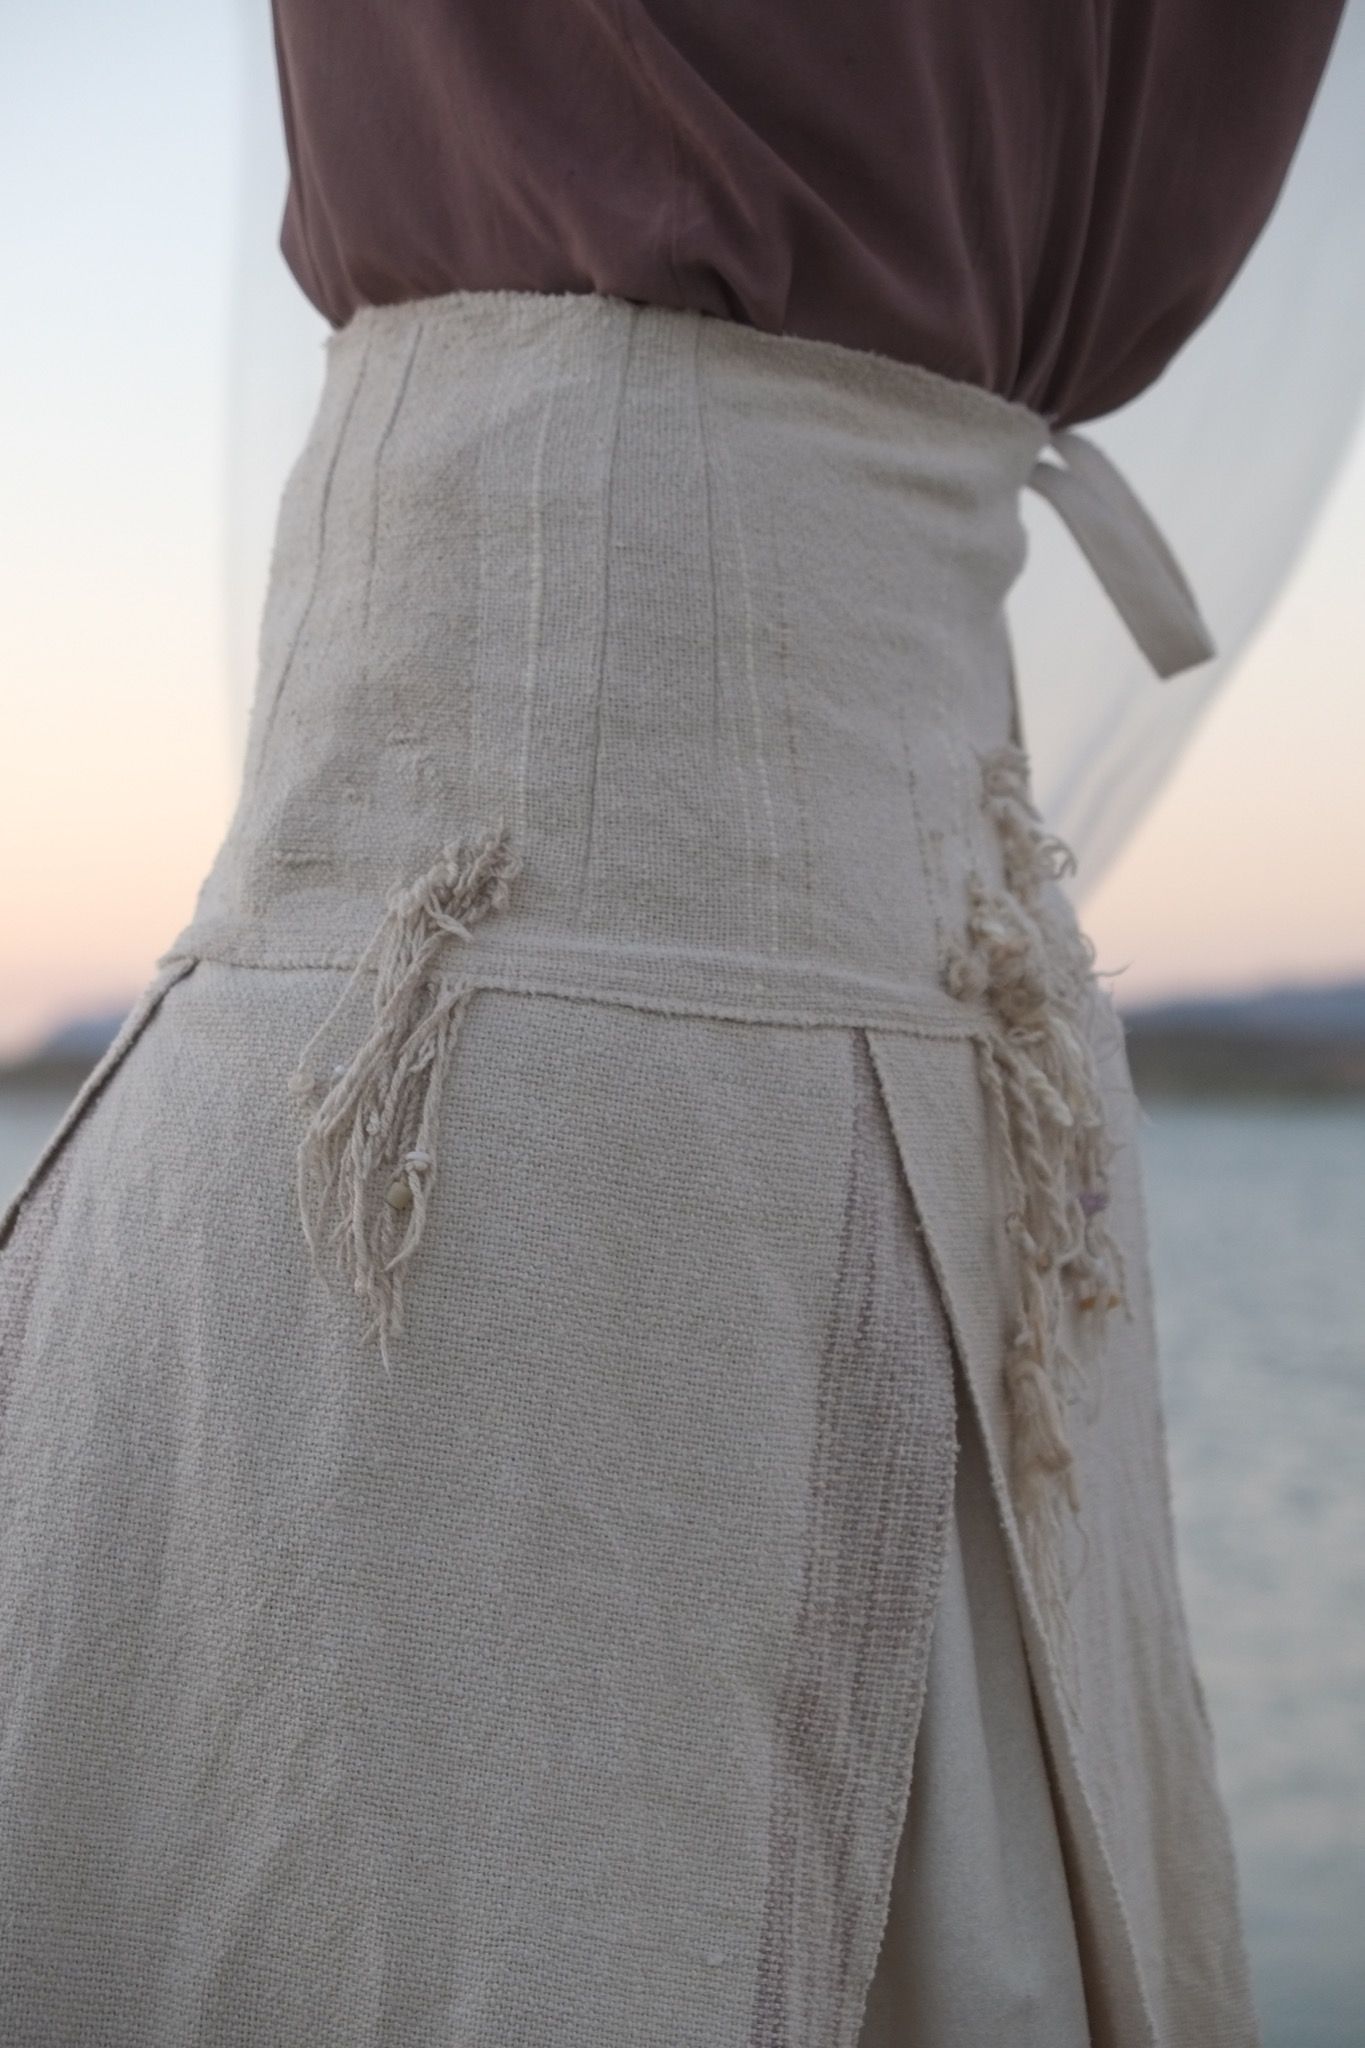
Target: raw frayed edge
column 366, row 1162
column 1026, row 960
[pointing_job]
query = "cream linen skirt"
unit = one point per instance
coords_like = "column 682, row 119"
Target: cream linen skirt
column 580, row 1463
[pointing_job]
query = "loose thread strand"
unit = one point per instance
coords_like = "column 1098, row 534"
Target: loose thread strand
column 366, row 1162
column 1026, row 960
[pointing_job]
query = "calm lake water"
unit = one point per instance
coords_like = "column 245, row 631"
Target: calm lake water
column 1258, row 1220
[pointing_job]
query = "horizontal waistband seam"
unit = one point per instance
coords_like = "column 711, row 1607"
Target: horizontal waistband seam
column 955, row 1021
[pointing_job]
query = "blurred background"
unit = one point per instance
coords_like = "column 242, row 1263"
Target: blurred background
column 1234, row 917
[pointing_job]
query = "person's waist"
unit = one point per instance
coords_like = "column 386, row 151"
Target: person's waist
column 713, row 621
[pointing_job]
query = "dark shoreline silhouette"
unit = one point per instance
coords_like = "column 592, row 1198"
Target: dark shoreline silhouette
column 1292, row 1041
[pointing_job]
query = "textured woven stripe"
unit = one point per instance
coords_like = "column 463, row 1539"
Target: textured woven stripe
column 880, row 1486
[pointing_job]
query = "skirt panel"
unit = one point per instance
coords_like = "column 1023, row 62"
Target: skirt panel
column 594, row 1638
column 1128, row 1736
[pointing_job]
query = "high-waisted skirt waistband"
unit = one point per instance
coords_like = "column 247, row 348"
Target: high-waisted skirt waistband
column 708, row 622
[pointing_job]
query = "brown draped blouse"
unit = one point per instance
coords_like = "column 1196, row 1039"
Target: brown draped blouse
column 1043, row 197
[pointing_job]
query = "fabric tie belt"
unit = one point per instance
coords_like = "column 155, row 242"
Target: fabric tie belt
column 1126, row 550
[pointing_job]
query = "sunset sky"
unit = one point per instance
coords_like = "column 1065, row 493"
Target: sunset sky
column 118, row 740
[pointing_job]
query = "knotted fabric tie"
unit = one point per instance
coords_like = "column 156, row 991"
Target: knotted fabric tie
column 1125, row 548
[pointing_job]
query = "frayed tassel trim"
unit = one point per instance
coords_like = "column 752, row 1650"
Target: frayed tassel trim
column 1025, row 959
column 367, row 1158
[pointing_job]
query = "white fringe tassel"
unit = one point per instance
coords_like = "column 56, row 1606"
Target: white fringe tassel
column 366, row 1160
column 1034, row 968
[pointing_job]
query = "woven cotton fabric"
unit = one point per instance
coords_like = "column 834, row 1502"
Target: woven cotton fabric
column 555, row 1672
